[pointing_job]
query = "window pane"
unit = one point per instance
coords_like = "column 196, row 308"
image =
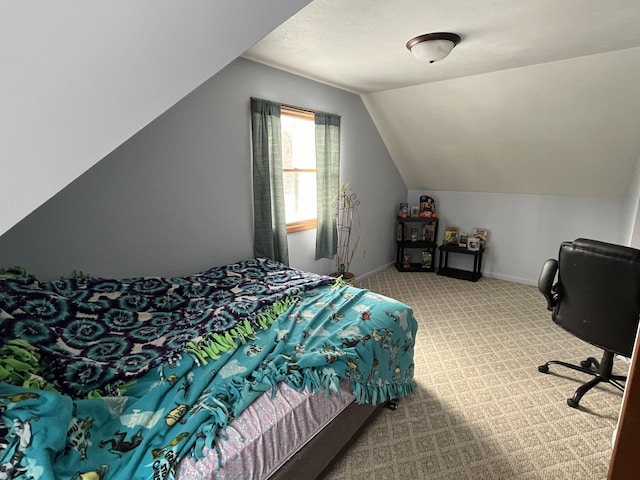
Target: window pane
column 300, row 195
column 299, row 153
column 298, row 142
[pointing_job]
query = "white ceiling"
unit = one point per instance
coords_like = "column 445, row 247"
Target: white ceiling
column 539, row 97
column 359, row 45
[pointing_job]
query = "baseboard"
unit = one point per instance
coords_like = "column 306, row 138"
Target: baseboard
column 499, row 276
column 373, row 272
column 509, row 278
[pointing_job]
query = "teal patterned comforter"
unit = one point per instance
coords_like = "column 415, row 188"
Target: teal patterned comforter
column 303, row 329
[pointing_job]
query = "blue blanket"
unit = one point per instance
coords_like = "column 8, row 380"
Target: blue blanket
column 311, row 340
column 97, row 334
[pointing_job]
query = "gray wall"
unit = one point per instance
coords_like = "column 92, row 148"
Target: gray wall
column 79, row 78
column 525, row 230
column 176, row 198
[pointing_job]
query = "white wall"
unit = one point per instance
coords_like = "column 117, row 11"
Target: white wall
column 632, row 209
column 176, row 198
column 525, row 230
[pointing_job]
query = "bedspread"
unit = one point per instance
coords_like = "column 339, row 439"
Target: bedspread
column 186, row 397
column 97, row 334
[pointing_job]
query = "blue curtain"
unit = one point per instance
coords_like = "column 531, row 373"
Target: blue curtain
column 328, row 178
column 270, row 225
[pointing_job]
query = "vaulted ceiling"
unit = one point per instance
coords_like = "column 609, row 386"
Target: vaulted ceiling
column 539, row 97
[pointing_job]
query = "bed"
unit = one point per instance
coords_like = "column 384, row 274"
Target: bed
column 209, row 376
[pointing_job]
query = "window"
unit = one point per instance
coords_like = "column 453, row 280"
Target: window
column 299, row 169
column 271, row 222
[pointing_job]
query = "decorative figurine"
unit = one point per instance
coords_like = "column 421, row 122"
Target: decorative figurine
column 404, row 210
column 427, row 207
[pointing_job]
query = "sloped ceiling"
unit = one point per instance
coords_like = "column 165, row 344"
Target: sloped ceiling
column 80, row 78
column 539, row 97
column 569, row 127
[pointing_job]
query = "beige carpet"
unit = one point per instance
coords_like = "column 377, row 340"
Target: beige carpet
column 481, row 409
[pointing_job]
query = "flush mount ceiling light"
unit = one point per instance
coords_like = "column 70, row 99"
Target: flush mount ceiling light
column 432, row 47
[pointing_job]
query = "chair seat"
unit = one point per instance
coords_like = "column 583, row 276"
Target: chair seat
column 593, row 292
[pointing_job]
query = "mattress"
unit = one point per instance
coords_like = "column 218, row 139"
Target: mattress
column 273, row 430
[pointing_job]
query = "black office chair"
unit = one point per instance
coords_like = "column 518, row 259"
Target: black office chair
column 597, row 299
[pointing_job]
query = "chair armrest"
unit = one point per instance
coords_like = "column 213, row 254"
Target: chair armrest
column 545, row 282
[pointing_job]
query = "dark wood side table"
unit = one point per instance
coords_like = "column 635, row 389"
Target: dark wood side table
column 444, row 269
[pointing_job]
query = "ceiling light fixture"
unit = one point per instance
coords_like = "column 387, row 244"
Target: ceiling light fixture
column 432, row 47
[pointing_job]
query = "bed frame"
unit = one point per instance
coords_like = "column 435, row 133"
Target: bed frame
column 312, row 460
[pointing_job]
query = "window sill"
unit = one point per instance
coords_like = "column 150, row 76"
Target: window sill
column 301, row 226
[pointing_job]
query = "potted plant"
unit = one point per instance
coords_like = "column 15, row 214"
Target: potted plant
column 348, row 229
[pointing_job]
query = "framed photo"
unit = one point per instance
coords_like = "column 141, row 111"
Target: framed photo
column 428, row 232
column 450, row 235
column 481, row 234
column 462, row 239
column 473, row 244
column 427, row 259
column 415, row 210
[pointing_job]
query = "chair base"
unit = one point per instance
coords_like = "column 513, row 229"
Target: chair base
column 601, row 370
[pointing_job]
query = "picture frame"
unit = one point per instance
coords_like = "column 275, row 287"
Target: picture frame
column 481, row 234
column 473, row 244
column 428, row 233
column 462, row 239
column 450, row 235
column 427, row 259
column 415, row 210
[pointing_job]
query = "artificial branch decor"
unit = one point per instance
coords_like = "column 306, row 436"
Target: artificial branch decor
column 348, row 227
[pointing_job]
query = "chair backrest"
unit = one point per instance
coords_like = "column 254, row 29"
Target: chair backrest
column 599, row 293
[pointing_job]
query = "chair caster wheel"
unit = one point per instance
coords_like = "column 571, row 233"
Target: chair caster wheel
column 572, row 403
column 543, row 368
column 391, row 404
column 586, row 364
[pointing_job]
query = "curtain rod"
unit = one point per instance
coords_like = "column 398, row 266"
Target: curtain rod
column 291, row 107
